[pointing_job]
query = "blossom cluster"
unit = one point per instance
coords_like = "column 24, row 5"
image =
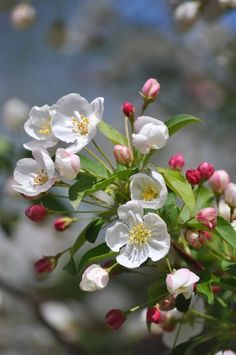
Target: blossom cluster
column 154, row 217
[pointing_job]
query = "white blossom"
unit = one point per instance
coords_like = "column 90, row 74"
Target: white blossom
column 14, row 113
column 137, row 237
column 67, row 164
column 39, row 127
column 149, row 191
column 34, row 176
column 75, row 120
column 94, row 278
column 150, row 133
column 181, row 281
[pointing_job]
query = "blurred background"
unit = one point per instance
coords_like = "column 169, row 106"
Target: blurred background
column 101, row 48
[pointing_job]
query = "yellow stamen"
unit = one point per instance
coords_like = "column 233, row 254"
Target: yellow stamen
column 40, row 178
column 149, row 193
column 139, row 234
column 81, row 126
column 46, row 127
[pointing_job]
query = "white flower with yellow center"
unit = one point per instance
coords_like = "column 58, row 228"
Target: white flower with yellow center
column 150, row 133
column 39, row 126
column 149, row 191
column 137, row 237
column 75, row 120
column 34, row 176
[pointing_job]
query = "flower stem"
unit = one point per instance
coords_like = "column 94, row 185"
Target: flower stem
column 69, row 212
column 169, row 266
column 103, row 154
column 128, row 136
column 89, row 151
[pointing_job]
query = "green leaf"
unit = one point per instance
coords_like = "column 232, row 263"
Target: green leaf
column 70, row 267
column 93, row 167
column 95, row 255
column 225, row 231
column 112, row 134
column 203, row 197
column 83, row 183
column 204, row 286
column 169, row 213
column 182, row 304
column 178, row 122
column 157, row 291
column 229, row 267
column 229, row 284
column 186, row 347
column 92, row 230
column 178, row 184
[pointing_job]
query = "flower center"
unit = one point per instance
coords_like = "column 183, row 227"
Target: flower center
column 46, row 127
column 139, row 234
column 81, row 126
column 40, row 178
column 149, row 193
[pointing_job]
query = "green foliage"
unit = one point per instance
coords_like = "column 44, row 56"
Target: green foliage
column 204, row 286
column 70, row 267
column 111, row 133
column 178, row 122
column 170, row 211
column 225, row 231
column 178, row 184
column 157, row 291
column 93, row 167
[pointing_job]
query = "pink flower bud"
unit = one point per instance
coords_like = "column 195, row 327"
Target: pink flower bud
column 216, row 288
column 192, row 238
column 219, row 181
column 115, row 318
column 204, row 236
column 230, row 195
column 206, row 170
column 128, row 109
column 193, row 176
column 153, row 315
column 36, row 212
column 122, row 154
column 23, row 16
column 208, row 217
column 67, row 164
column 167, row 304
column 177, row 161
column 151, row 89
column 62, row 223
column 46, row 264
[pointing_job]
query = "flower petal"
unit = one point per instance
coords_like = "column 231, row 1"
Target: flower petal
column 133, row 255
column 131, row 213
column 117, row 236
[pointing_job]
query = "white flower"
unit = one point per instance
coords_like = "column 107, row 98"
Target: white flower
column 227, row 3
column 225, row 352
column 94, row 278
column 39, row 126
column 14, row 113
column 187, row 13
column 181, row 281
column 33, row 176
column 150, row 133
column 75, row 120
column 139, row 237
column 67, row 164
column 149, row 191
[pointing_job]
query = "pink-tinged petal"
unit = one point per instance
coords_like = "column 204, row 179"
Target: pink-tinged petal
column 117, row 236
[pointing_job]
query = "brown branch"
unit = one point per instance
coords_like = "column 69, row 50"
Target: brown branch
column 187, row 257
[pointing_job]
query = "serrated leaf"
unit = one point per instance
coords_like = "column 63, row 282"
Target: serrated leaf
column 204, row 286
column 225, row 231
column 111, row 133
column 178, row 122
column 182, row 304
column 70, row 267
column 178, row 184
column 95, row 255
column 93, row 167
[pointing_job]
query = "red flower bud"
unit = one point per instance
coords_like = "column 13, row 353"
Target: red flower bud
column 36, row 212
column 216, row 288
column 167, row 304
column 193, row 176
column 177, row 161
column 208, row 217
column 115, row 318
column 204, row 236
column 128, row 109
column 62, row 223
column 206, row 170
column 46, row 264
column 153, row 315
column 122, row 154
column 151, row 89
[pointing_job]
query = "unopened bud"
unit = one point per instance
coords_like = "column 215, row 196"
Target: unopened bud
column 219, row 181
column 167, row 304
column 192, row 238
column 206, row 170
column 153, row 315
column 62, row 223
column 23, row 16
column 208, row 217
column 94, row 278
column 186, row 14
column 193, row 176
column 36, row 212
column 230, row 195
column 128, row 109
column 177, row 161
column 122, row 154
column 115, row 318
column 67, row 164
column 46, row 264
column 151, row 89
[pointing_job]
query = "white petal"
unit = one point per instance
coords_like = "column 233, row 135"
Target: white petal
column 140, row 142
column 70, row 103
column 133, row 255
column 35, row 144
column 45, row 161
column 143, row 120
column 131, row 213
column 97, row 107
column 117, row 236
column 62, row 127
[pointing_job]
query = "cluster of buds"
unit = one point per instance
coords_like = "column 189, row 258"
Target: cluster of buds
column 197, row 238
column 203, row 173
